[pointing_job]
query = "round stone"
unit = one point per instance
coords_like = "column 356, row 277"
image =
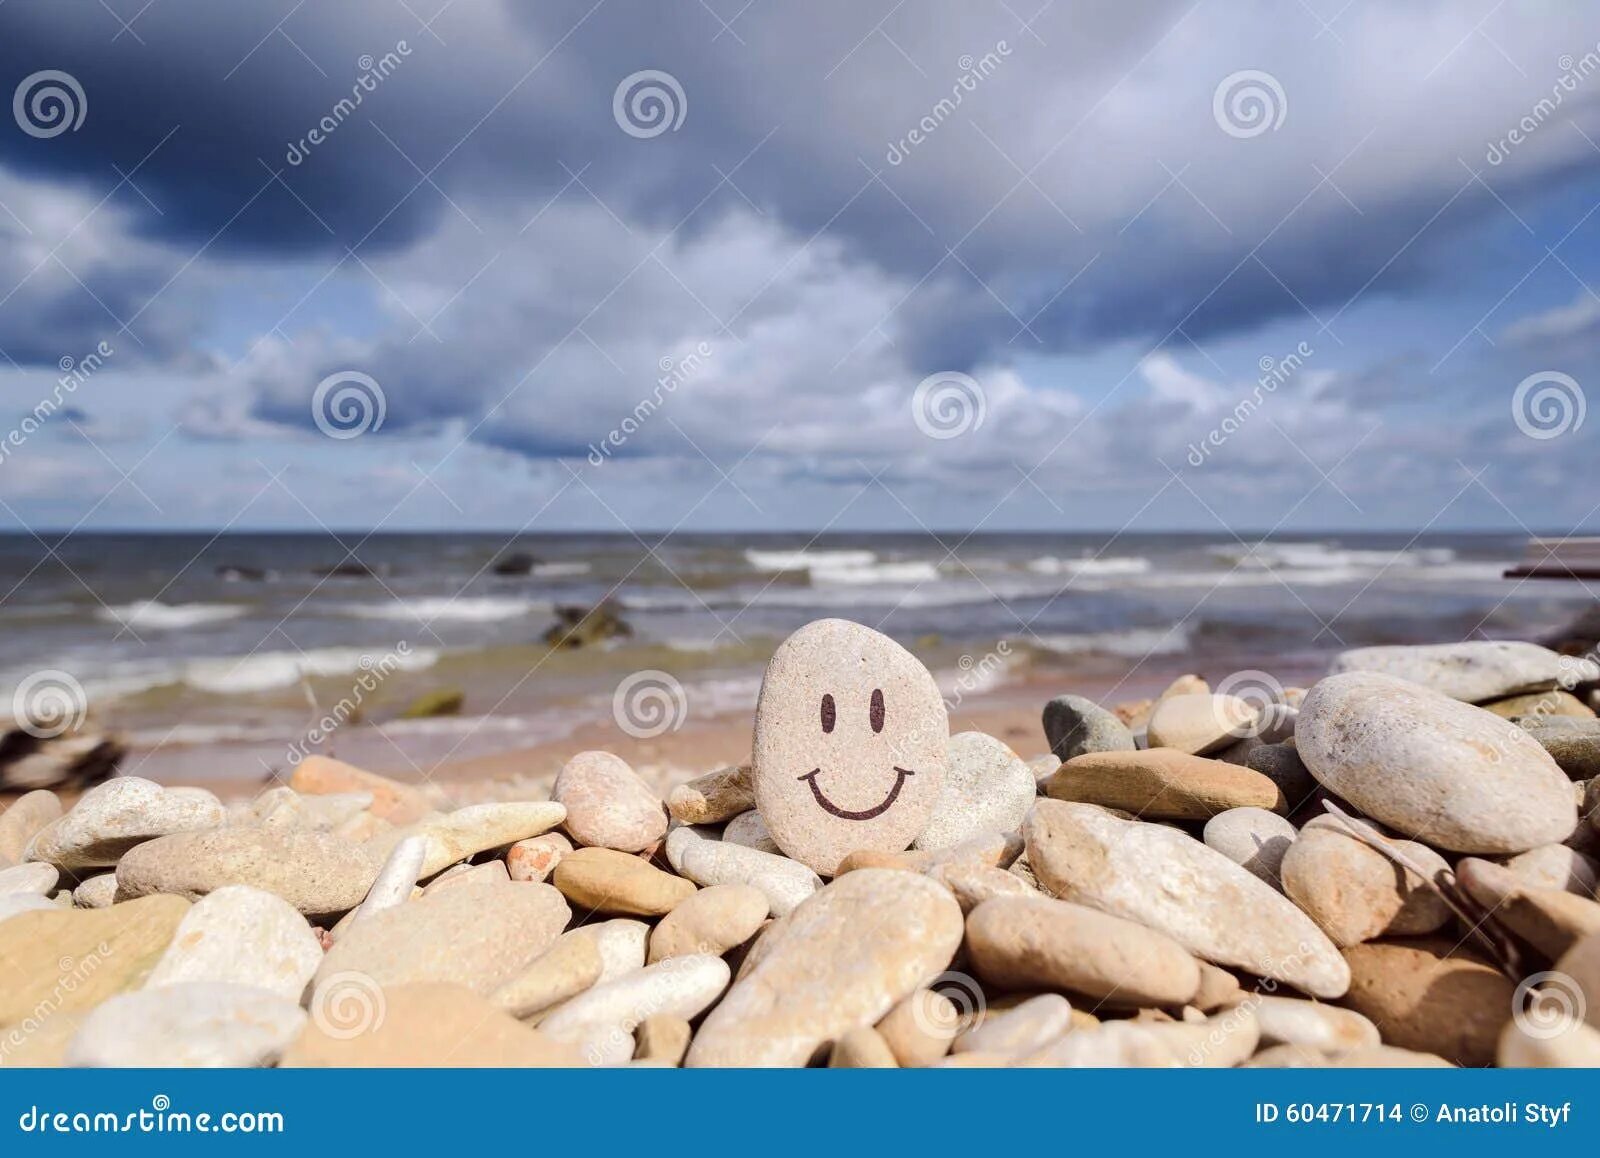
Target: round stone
column 1472, row 671
column 712, row 921
column 608, row 805
column 113, row 817
column 716, row 862
column 1074, row 725
column 243, row 936
column 1200, row 723
column 1431, row 994
column 1253, row 839
column 1354, row 893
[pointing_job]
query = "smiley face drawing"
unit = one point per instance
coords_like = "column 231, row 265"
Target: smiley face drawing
column 850, row 742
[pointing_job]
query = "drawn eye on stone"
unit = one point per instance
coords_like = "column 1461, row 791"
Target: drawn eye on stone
column 829, row 714
column 877, row 709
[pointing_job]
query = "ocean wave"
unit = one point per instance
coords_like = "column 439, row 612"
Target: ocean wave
column 1316, row 556
column 807, row 560
column 152, row 615
column 1131, row 643
column 479, row 609
column 266, row 670
column 559, row 570
column 1103, row 567
column 871, row 574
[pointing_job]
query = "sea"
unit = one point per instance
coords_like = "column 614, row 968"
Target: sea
column 241, row 642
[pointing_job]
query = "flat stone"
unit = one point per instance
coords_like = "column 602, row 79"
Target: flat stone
column 750, row 830
column 67, row 960
column 1575, row 751
column 196, row 1024
column 1039, row 943
column 601, row 880
column 1473, row 671
column 601, row 1021
column 706, row 861
column 432, row 1024
column 1555, row 866
column 1292, row 1021
column 1538, row 706
column 841, row 960
column 1023, row 1029
column 242, row 936
column 569, row 967
column 1074, row 725
column 1551, row 920
column 490, row 872
column 1354, row 893
column 714, row 797
column 318, row 873
column 921, row 1026
column 1281, row 764
column 1433, row 768
column 113, row 817
column 466, row 832
column 35, row 877
column 1252, row 838
column 1431, row 994
column 536, row 858
column 608, row 805
column 862, row 1048
column 972, row 884
column 849, row 747
column 19, row 824
column 480, row 937
column 662, row 1038
column 1163, row 784
column 987, row 788
column 1170, row 882
column 1200, row 723
column 398, row 803
column 622, row 943
column 712, row 921
column 97, row 892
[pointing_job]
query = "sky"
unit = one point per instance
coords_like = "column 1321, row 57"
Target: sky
column 748, row 264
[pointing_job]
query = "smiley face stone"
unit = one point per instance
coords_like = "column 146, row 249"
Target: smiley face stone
column 850, row 744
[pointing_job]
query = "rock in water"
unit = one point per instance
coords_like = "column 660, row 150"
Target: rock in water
column 1444, row 772
column 245, row 937
column 987, row 788
column 1473, row 671
column 842, row 960
column 1172, row 883
column 198, row 1023
column 850, row 736
column 115, row 816
column 1074, row 725
column 608, row 806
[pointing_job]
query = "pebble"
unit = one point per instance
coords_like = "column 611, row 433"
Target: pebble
column 1023, row 1029
column 1218, row 987
column 464, row 833
column 1577, row 1046
column 921, row 1026
column 1074, row 725
column 116, row 816
column 396, row 880
column 841, row 960
column 18, row 903
column 1281, row 764
column 861, row 1048
column 1252, row 838
column 1431, row 994
column 1039, row 943
column 97, row 892
column 210, row 1024
column 972, row 884
column 284, row 807
column 706, row 862
column 712, row 921
column 602, row 880
column 713, row 798
column 398, row 803
column 849, row 745
column 1551, row 920
column 1473, row 671
column 73, row 959
column 1163, row 784
column 750, row 830
column 1575, row 750
column 622, row 943
column 19, row 824
column 1555, row 866
column 600, row 1022
column 426, row 1024
column 1292, row 1021
column 1222, row 1040
column 569, row 967
column 33, row 878
column 1537, row 706
column 663, row 1038
column 1354, row 893
column 318, row 873
column 480, row 937
column 987, row 788
column 490, row 872
column 1581, row 962
column 1433, row 768
column 242, row 936
column 536, row 858
column 608, row 805
column 1201, row 722
column 1372, row 1057
column 1173, row 884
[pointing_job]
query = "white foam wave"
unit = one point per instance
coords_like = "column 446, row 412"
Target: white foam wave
column 1323, row 556
column 1133, row 643
column 479, row 609
column 152, row 615
column 265, row 670
column 870, row 574
column 1100, row 568
column 558, row 570
column 807, row 560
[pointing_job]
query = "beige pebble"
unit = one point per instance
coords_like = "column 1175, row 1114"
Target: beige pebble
column 1163, row 784
column 536, row 858
column 1200, row 722
column 712, row 921
column 714, row 797
column 861, row 1048
column 608, row 805
column 662, row 1037
column 602, row 880
column 565, row 970
column 921, row 1027
column 1023, row 1029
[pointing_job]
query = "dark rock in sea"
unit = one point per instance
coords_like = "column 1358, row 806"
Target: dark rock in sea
column 349, row 569
column 514, row 563
column 585, row 626
column 438, row 702
column 74, row 761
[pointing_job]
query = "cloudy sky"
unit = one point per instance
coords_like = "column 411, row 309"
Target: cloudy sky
column 568, row 295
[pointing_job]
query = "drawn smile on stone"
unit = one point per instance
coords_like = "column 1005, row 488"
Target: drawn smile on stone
column 844, row 813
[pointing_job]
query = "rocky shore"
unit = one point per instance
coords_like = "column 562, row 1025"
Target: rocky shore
column 1395, row 866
